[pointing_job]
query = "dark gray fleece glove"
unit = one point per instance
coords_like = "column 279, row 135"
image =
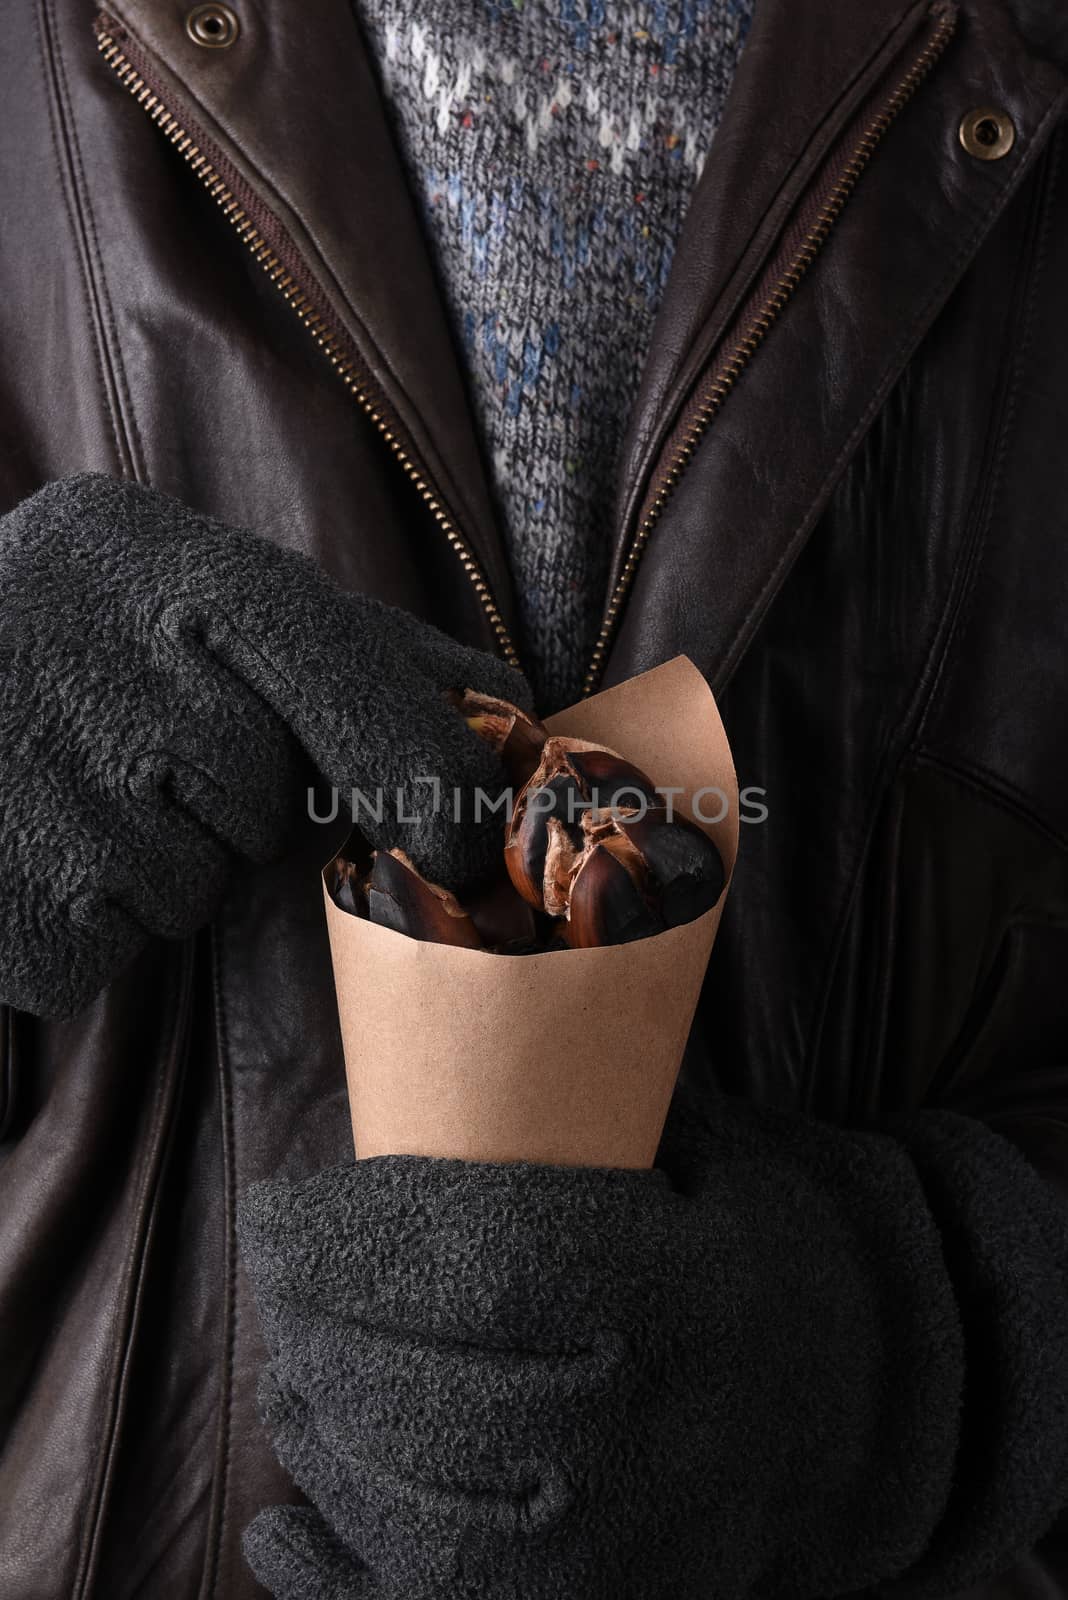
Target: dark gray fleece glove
column 794, row 1361
column 169, row 686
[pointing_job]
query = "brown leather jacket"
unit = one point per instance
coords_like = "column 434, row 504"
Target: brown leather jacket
column 843, row 494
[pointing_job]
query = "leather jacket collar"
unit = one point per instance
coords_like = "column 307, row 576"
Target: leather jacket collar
column 839, row 149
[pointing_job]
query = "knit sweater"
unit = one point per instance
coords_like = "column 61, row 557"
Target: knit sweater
column 554, row 145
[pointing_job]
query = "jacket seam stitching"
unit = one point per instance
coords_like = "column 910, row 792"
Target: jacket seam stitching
column 998, row 790
column 316, row 258
column 128, row 1316
column 948, row 1087
column 873, row 1041
column 899, row 742
column 997, row 483
column 220, row 1507
column 977, row 517
column 131, row 427
column 990, row 209
column 59, row 118
column 759, row 248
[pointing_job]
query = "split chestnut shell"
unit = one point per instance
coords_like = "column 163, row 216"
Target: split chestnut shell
column 590, row 841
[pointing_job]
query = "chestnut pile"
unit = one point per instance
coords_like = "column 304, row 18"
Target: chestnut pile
column 590, row 854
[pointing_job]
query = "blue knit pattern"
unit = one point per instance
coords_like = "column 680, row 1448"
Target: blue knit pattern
column 554, row 145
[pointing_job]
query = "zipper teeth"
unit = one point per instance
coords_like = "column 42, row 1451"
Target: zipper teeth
column 707, row 407
column 347, row 369
column 727, row 375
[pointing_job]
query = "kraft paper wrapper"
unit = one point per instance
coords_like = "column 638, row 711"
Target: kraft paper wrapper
column 569, row 1057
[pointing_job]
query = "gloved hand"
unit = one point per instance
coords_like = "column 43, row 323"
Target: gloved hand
column 169, row 687
column 742, row 1374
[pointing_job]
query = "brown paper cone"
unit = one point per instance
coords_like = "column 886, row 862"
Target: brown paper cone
column 569, row 1057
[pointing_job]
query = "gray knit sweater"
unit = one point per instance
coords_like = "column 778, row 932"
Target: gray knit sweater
column 554, row 145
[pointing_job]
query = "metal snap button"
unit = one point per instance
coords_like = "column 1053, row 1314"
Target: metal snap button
column 214, row 26
column 987, row 133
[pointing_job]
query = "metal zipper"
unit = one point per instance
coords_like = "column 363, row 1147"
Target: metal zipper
column 287, row 270
column 763, row 308
column 284, row 265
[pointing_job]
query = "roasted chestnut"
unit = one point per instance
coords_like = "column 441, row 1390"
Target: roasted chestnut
column 589, row 840
column 592, row 857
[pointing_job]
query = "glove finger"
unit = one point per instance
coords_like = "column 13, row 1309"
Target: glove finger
column 403, row 1522
column 216, row 778
column 163, row 871
column 401, row 1400
column 446, row 662
column 59, row 965
column 86, row 885
column 442, row 793
column 371, row 1510
column 295, row 1555
column 363, row 688
column 160, row 589
column 512, row 1256
column 218, row 749
column 248, row 810
column 359, row 684
column 426, row 1539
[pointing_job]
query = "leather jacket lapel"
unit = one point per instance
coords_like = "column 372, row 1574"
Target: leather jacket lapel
column 324, row 160
column 795, row 89
column 296, row 108
column 753, row 486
